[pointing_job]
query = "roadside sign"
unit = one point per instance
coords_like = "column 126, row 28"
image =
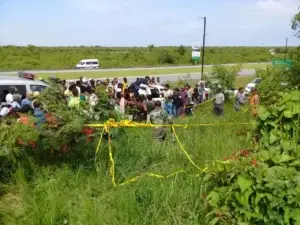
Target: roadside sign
column 196, row 52
column 196, row 55
column 282, row 62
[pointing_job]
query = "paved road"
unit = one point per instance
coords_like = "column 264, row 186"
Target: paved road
column 181, row 76
column 119, row 69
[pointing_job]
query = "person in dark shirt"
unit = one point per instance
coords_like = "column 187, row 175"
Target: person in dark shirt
column 178, row 104
column 136, row 85
column 142, row 81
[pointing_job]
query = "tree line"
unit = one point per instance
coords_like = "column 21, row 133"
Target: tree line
column 34, row 57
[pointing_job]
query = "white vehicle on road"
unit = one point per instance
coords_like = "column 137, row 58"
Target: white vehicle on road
column 251, row 85
column 88, row 64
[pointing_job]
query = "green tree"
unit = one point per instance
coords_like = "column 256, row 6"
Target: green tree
column 296, row 24
column 151, row 47
column 181, row 50
column 166, row 58
column 225, row 76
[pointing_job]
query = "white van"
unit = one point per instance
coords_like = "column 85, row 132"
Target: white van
column 22, row 84
column 88, row 64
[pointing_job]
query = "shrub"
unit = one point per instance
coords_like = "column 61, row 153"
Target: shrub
column 263, row 186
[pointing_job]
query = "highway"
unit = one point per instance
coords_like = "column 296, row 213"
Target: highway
column 180, row 76
column 121, row 69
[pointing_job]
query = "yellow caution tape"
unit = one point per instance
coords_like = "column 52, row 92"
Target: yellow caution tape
column 112, row 162
column 184, row 151
column 100, row 141
column 127, row 123
column 111, row 123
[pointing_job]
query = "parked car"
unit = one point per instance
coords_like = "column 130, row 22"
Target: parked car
column 88, row 64
column 22, row 83
column 251, row 85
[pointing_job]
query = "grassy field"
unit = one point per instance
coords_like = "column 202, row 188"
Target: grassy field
column 84, row 195
column 128, row 73
column 33, row 57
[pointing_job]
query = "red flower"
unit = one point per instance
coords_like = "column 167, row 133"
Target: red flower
column 31, row 143
column 244, row 153
column 254, row 162
column 88, row 132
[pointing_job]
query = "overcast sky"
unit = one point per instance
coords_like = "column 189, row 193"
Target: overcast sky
column 144, row 22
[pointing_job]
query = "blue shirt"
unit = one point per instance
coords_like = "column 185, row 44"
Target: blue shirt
column 26, row 101
column 40, row 115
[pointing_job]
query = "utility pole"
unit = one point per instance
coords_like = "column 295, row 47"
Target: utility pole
column 286, row 44
column 203, row 46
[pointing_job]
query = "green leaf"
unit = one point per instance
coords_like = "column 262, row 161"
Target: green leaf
column 244, row 183
column 288, row 114
column 213, row 198
column 295, row 214
column 264, row 155
column 288, row 145
column 263, row 113
column 243, row 198
column 296, row 109
column 214, row 221
column 287, row 215
column 295, row 163
column 282, row 158
column 273, row 137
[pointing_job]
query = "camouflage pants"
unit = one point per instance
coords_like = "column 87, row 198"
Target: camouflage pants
column 159, row 133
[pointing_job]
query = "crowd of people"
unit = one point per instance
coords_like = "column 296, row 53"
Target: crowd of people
column 127, row 99
column 136, row 99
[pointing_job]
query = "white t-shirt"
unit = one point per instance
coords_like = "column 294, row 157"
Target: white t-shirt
column 168, row 93
column 220, row 98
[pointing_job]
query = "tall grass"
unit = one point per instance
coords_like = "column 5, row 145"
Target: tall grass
column 80, row 195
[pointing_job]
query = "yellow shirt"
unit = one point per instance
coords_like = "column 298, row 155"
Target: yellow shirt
column 125, row 85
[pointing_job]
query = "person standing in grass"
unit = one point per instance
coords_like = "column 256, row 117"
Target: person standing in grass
column 219, row 103
column 168, row 94
column 200, row 92
column 178, row 106
column 239, row 99
column 254, row 102
column 159, row 116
